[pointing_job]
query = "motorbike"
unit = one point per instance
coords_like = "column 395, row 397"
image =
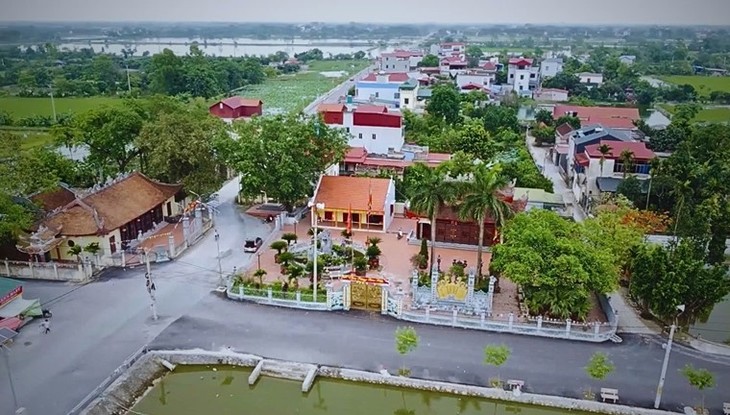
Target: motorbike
column 400, row 234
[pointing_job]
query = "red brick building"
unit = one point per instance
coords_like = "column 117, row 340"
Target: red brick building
column 236, row 107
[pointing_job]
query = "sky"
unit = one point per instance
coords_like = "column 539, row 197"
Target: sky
column 592, row 12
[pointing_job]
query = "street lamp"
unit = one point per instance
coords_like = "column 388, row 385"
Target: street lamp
column 218, row 246
column 315, row 219
column 6, row 336
column 667, row 349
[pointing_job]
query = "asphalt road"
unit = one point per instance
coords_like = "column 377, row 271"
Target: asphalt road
column 341, row 90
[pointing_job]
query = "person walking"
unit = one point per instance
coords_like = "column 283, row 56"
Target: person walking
column 46, row 326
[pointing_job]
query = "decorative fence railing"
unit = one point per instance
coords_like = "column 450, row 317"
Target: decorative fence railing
column 296, row 299
column 56, row 271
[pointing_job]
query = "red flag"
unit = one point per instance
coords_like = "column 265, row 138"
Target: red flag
column 349, row 219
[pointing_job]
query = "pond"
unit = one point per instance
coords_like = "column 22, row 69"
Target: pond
column 194, row 390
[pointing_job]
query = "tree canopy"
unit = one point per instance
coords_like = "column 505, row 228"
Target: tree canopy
column 282, row 156
column 556, row 262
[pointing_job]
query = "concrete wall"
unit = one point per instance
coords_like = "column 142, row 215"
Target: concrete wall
column 46, row 271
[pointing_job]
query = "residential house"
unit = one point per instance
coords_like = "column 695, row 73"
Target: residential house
column 591, row 79
column 608, row 117
column 409, row 95
column 357, row 160
column 450, row 64
column 591, row 134
column 452, row 48
column 376, row 128
column 551, row 95
column 363, row 203
column 627, row 59
column 382, row 88
column 451, row 228
column 551, row 67
column 562, row 133
column 113, row 215
column 523, row 77
column 540, row 199
column 594, row 176
column 482, row 79
column 399, row 61
column 233, row 108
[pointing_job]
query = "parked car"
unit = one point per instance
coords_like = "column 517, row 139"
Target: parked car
column 252, row 245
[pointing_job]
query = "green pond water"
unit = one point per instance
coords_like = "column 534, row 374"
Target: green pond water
column 198, row 390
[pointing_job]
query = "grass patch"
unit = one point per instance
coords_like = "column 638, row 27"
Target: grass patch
column 715, row 115
column 287, row 93
column 30, row 138
column 703, row 84
column 21, row 107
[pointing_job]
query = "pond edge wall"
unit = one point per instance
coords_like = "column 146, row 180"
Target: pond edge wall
column 134, row 383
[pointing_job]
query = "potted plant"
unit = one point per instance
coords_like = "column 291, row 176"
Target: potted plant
column 347, row 234
column 289, row 238
column 295, row 271
column 279, row 246
column 94, row 249
column 284, row 259
column 419, row 261
column 361, row 265
column 373, row 254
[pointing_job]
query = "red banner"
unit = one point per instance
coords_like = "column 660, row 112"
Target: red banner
column 12, row 294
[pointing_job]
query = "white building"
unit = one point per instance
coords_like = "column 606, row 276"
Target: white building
column 522, row 75
column 399, row 61
column 627, row 59
column 372, row 127
column 591, row 79
column 481, row 78
column 551, row 67
column 382, row 88
column 409, row 95
column 452, row 48
column 551, row 95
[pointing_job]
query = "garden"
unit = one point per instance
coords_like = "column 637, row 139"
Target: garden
column 293, row 267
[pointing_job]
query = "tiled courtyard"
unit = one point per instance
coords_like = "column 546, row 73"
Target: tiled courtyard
column 394, row 260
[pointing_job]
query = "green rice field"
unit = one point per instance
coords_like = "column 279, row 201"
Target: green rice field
column 703, row 84
column 21, row 107
column 714, row 114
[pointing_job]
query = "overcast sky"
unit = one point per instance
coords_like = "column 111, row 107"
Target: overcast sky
column 383, row 11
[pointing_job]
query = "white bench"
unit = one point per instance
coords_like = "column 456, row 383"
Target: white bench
column 726, row 408
column 607, row 393
column 515, row 384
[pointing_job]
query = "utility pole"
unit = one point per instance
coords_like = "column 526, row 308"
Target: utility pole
column 220, row 269
column 667, row 350
column 129, row 84
column 53, row 105
column 150, row 286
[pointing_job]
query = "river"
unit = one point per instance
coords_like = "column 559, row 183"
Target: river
column 233, row 47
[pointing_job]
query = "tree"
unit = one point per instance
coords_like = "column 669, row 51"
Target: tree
column 662, row 278
column 109, row 133
column 627, row 160
column 481, row 198
column 429, row 61
column 178, row 147
column 605, row 150
column 444, row 103
column 598, row 368
column 569, row 119
column 260, row 274
column 14, row 218
column 282, row 156
column 165, row 72
column 289, row 237
column 76, row 251
column 473, row 54
column 544, row 135
column 429, row 195
column 496, row 355
column 631, row 188
column 701, row 379
column 556, row 262
column 406, row 341
column 544, row 116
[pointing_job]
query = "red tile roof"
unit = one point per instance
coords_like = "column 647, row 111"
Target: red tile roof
column 356, row 155
column 331, row 108
column 582, row 159
column 343, row 192
column 392, row 77
column 111, row 207
column 52, row 199
column 472, row 85
column 454, row 60
column 564, row 129
column 376, row 109
column 236, row 102
column 639, row 150
column 520, row 61
column 608, row 117
column 489, row 66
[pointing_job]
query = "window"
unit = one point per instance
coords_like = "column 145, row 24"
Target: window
column 348, row 129
column 113, row 244
column 547, row 68
column 377, row 95
column 396, row 95
column 532, row 76
column 359, row 135
column 406, row 101
column 522, row 77
column 328, row 215
column 374, row 136
column 511, row 76
column 522, row 87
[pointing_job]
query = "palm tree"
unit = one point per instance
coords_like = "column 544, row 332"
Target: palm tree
column 655, row 166
column 481, row 199
column 605, row 150
column 429, row 193
column 627, row 158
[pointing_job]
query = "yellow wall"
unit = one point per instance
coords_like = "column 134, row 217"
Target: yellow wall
column 339, row 216
column 63, row 248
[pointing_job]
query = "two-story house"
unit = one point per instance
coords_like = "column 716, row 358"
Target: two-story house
column 585, row 136
column 523, row 77
column 381, row 88
column 399, row 61
column 451, row 48
column 621, row 119
column 453, row 63
column 482, row 78
column 597, row 173
column 551, row 67
column 373, row 127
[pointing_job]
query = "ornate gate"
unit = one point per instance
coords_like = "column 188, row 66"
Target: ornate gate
column 366, row 296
